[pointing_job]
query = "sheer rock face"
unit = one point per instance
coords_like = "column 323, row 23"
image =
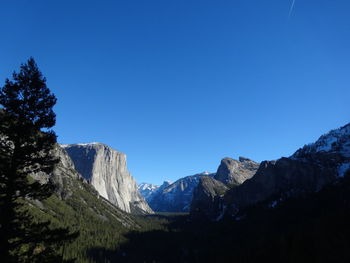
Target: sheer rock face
column 207, row 198
column 233, row 172
column 68, row 183
column 106, row 170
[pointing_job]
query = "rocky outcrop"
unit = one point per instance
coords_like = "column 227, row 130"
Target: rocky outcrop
column 176, row 197
column 233, row 172
column 70, row 185
column 285, row 177
column 207, row 198
column 308, row 170
column 106, row 170
column 62, row 176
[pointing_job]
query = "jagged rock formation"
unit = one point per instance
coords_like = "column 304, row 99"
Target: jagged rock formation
column 282, row 177
column 307, row 170
column 176, row 197
column 207, row 198
column 233, row 172
column 106, row 170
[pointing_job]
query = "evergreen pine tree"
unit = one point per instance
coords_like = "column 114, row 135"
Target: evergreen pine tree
column 26, row 146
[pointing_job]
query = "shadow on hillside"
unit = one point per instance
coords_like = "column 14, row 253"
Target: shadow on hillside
column 309, row 228
column 152, row 246
column 178, row 243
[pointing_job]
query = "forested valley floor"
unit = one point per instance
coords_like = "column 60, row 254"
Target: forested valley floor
column 310, row 228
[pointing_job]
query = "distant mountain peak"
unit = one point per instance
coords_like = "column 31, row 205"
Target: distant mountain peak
column 174, row 196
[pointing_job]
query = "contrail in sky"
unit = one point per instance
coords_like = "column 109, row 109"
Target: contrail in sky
column 291, row 9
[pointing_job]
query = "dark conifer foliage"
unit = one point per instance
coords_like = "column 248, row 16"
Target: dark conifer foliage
column 26, row 146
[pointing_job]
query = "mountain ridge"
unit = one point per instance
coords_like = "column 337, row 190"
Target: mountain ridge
column 307, row 170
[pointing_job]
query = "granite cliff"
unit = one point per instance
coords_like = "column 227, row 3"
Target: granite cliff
column 208, row 195
column 235, row 172
column 105, row 169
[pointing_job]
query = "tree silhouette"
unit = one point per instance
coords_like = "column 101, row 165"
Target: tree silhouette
column 26, row 148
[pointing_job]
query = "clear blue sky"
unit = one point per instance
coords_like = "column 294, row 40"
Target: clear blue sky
column 178, row 85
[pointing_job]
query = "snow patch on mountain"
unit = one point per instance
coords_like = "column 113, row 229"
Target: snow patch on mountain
column 176, row 197
column 146, row 186
column 336, row 141
column 146, row 190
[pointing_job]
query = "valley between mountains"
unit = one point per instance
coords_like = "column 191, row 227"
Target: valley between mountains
column 175, row 131
column 294, row 209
